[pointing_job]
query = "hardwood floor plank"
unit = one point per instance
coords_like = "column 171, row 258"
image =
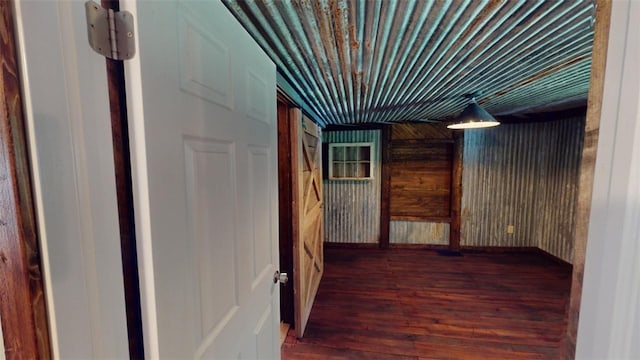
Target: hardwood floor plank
column 410, row 304
column 309, row 352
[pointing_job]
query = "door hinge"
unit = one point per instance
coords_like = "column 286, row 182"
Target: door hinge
column 110, row 32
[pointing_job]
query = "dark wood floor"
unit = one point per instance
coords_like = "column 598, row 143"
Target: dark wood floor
column 416, row 304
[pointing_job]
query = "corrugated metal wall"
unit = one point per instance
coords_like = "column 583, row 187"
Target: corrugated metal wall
column 352, row 208
column 499, row 180
column 523, row 175
column 417, row 232
column 560, row 160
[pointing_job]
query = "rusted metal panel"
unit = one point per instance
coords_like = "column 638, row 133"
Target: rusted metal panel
column 525, row 176
column 499, row 181
column 417, row 232
column 352, row 208
column 358, row 61
column 556, row 213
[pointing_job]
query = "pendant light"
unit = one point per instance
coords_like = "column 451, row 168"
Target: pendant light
column 473, row 117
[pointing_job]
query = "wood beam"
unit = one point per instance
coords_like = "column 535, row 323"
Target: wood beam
column 297, row 209
column 22, row 299
column 385, row 186
column 587, row 169
column 284, row 209
column 124, row 193
column 456, row 190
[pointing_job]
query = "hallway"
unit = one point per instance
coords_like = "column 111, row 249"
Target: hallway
column 416, row 304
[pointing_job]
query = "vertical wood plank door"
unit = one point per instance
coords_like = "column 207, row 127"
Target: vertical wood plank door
column 308, row 262
column 201, row 96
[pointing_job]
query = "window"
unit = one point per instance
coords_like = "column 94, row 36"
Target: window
column 350, row 161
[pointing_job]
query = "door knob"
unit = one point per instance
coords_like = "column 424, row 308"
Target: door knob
column 283, row 278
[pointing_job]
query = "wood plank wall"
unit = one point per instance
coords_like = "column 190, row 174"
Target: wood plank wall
column 421, row 170
column 421, row 184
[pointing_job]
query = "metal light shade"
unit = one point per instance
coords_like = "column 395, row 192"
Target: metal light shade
column 473, row 117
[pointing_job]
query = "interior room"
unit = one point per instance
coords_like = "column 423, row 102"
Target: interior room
column 324, row 179
column 385, row 82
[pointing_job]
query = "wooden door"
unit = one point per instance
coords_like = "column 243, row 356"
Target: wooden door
column 308, row 262
column 201, row 97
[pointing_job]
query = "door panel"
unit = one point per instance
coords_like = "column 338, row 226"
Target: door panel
column 308, row 236
column 66, row 104
column 202, row 102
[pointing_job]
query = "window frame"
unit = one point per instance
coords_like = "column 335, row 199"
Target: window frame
column 357, row 162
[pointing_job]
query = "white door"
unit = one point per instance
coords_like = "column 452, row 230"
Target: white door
column 66, row 105
column 201, row 97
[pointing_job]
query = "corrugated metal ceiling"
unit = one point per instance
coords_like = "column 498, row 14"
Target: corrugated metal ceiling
column 365, row 61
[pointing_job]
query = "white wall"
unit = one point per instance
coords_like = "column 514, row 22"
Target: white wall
column 609, row 326
column 67, row 111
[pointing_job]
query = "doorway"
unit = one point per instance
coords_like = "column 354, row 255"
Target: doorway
column 301, row 214
column 285, row 215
